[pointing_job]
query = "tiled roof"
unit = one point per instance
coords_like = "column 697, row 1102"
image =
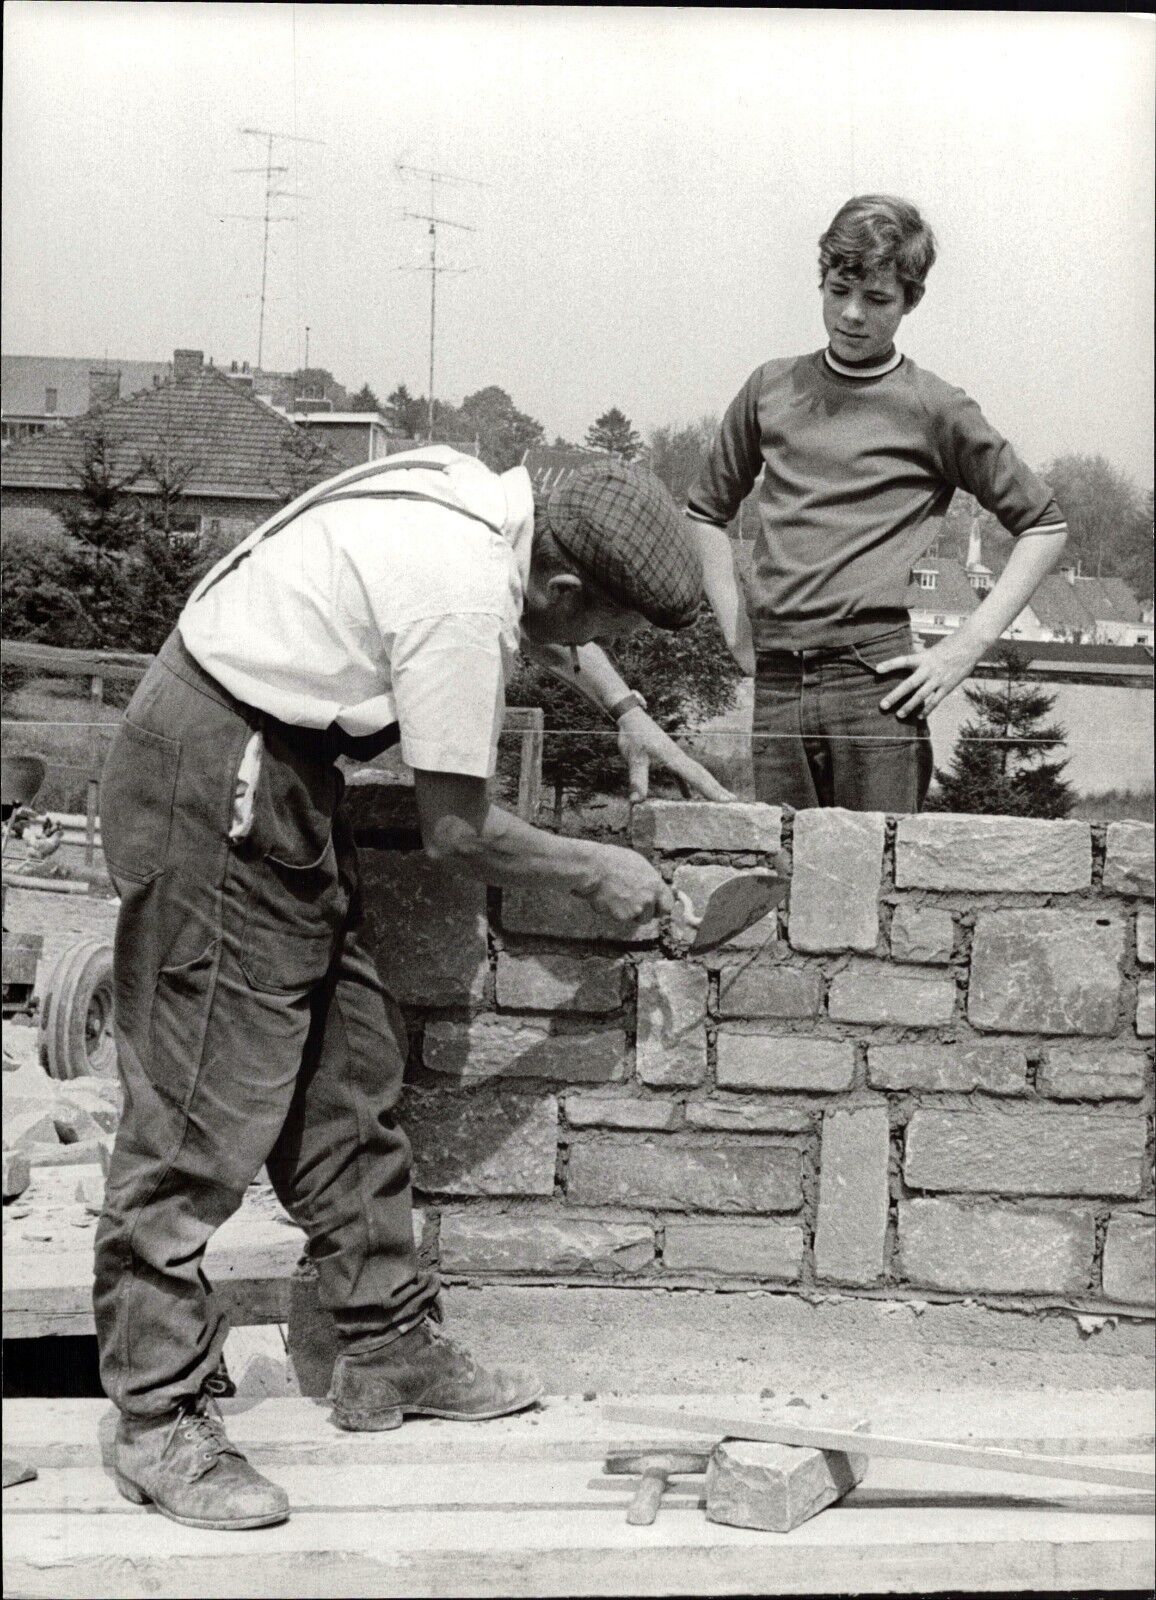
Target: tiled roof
column 952, row 592
column 26, row 379
column 1108, row 599
column 550, row 464
column 236, row 442
column 1058, row 605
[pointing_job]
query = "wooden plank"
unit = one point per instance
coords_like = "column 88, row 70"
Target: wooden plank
column 873, row 1444
column 123, row 665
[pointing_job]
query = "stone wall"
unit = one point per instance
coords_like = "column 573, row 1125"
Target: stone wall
column 928, row 1076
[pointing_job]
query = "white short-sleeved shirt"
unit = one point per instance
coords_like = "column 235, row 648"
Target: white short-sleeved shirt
column 392, row 593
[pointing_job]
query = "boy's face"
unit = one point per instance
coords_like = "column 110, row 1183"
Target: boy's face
column 861, row 315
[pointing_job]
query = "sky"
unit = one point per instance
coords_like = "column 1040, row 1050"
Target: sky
column 646, row 187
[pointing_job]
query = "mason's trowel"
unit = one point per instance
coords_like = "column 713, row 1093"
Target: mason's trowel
column 733, row 907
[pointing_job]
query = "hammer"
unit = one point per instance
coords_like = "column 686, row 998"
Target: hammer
column 654, row 1465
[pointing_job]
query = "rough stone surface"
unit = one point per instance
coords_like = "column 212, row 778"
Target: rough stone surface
column 1145, row 1010
column 922, row 933
column 735, row 1249
column 837, row 864
column 992, row 853
column 873, row 991
column 1000, row 1249
column 546, row 913
column 1145, row 923
column 775, row 1486
column 1102, row 1073
column 671, row 1023
column 17, row 1173
column 1128, row 867
column 1046, row 971
column 25, row 1127
column 699, row 883
column 739, row 1114
column 853, row 1196
column 427, row 928
column 957, row 1068
column 492, row 1140
column 748, row 1060
column 759, row 989
column 470, row 1242
column 702, row 825
column 1130, row 1259
column 593, row 1110
column 518, row 1047
column 556, row 982
column 671, row 1177
column 1036, row 1152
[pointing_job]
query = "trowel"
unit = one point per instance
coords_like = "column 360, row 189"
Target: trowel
column 733, row 907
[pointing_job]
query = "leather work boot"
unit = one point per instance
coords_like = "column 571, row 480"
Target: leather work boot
column 421, row 1373
column 185, row 1465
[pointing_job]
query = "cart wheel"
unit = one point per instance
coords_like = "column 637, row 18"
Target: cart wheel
column 76, row 1014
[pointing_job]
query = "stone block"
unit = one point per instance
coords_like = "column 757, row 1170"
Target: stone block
column 28, row 1126
column 1144, row 937
column 874, row 991
column 1046, row 971
column 998, row 1249
column 698, row 884
column 992, row 853
column 776, row 1486
column 556, row 982
column 17, row 1173
column 1130, row 1260
column 950, row 1068
column 761, row 989
column 837, row 864
column 522, row 1047
column 853, row 1196
column 668, row 825
column 669, row 1177
column 738, row 1114
column 548, row 914
column 427, row 928
column 1128, row 865
column 593, row 1110
column 100, row 1098
column 1145, row 1009
column 1104, row 1073
column 473, row 1242
column 74, row 1123
column 749, row 1060
column 922, row 934
column 1036, row 1152
column 735, row 1249
column 492, row 1140
column 671, row 1023
column 90, row 1193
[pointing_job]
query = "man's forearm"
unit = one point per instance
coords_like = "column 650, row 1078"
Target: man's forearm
column 508, row 853
column 597, row 678
column 1031, row 560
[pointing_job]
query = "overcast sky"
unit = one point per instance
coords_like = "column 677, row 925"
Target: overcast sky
column 657, row 179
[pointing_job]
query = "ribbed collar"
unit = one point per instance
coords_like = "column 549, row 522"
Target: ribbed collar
column 845, row 371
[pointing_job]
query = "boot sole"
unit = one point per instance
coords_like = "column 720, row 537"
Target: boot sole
column 137, row 1496
column 394, row 1419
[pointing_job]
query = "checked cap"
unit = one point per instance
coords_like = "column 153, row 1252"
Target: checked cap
column 620, row 527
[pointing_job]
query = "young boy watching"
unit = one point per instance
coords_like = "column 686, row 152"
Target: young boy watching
column 860, row 452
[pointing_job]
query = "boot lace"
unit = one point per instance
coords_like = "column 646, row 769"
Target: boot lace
column 204, row 1432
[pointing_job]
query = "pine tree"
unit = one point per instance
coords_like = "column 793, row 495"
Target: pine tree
column 1000, row 764
column 614, row 433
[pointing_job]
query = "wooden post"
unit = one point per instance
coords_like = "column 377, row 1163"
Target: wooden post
column 96, row 700
column 530, row 773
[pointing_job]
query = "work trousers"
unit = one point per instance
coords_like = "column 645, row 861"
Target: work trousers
column 820, row 738
column 252, row 1029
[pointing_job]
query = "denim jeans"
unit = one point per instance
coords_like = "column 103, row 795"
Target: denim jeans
column 252, row 1029
column 820, row 738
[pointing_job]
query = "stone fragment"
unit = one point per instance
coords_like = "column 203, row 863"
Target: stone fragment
column 90, row 1193
column 922, row 934
column 853, row 1196
column 998, row 1249
column 548, row 914
column 27, row 1126
column 749, row 1060
column 557, row 982
column 738, row 1114
column 1130, row 1260
column 17, row 1173
column 491, row 1140
column 593, row 1110
column 1046, row 971
column 956, row 1068
column 735, row 1249
column 73, row 1124
column 427, row 928
column 760, row 989
column 1035, row 1152
column 669, row 1177
column 473, row 1242
column 874, row 991
column 523, row 1047
column 1128, row 865
column 837, row 864
column 1145, row 1010
column 776, row 1486
column 703, row 825
column 671, row 1023
column 992, row 853
column 1144, row 937
column 1105, row 1073
column 698, row 884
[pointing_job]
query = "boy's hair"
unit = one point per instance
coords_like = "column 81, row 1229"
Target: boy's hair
column 872, row 230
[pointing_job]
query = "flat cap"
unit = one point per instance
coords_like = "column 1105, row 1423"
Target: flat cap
column 620, row 527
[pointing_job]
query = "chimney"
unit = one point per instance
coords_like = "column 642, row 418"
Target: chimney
column 103, row 387
column 187, row 363
column 974, row 546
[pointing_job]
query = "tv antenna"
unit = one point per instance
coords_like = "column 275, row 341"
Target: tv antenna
column 267, row 217
column 435, row 222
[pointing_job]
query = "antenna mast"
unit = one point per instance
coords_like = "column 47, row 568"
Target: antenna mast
column 268, row 218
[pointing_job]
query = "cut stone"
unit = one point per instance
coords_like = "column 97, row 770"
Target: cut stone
column 1145, row 923
column 992, row 853
column 854, row 1196
column 670, row 1177
column 17, row 1173
column 837, row 864
column 427, row 928
column 958, row 1068
column 523, row 1047
column 874, row 991
column 1046, row 971
column 760, row 989
column 616, row 1111
column 470, row 1242
column 671, row 1023
column 922, row 934
column 735, row 1249
column 698, row 884
column 703, row 825
column 1095, row 1074
column 1001, row 1249
column 549, row 914
column 776, row 1486
column 1036, row 1152
column 490, row 1140
column 1145, row 1010
column 738, row 1114
column 749, row 1060
column 1128, row 865
column 1129, row 1260
column 557, row 982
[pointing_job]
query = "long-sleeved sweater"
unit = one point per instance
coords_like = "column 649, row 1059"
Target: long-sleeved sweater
column 857, row 473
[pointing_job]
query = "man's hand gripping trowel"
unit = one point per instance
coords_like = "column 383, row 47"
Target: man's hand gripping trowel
column 733, row 907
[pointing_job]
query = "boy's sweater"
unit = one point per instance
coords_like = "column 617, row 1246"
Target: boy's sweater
column 857, row 473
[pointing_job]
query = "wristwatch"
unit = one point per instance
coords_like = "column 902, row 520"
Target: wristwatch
column 628, row 702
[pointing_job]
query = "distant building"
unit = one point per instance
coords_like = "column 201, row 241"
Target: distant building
column 44, row 392
column 551, row 464
column 940, row 597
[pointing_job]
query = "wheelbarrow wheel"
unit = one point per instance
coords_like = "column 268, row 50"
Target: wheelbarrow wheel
column 76, row 1037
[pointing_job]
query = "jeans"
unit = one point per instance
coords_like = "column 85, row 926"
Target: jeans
column 252, row 1029
column 820, row 738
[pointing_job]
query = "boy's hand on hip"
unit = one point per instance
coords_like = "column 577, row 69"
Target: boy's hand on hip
column 932, row 675
column 642, row 741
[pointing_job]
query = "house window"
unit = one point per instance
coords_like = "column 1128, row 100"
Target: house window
column 939, row 622
column 184, row 529
column 926, row 579
column 50, row 399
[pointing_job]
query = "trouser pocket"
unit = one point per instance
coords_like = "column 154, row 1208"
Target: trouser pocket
column 137, row 794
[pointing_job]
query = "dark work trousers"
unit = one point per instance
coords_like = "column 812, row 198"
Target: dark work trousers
column 251, row 1029
column 820, row 738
